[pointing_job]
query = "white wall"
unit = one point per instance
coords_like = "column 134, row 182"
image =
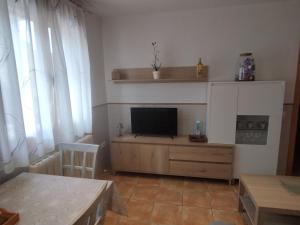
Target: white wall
column 271, row 31
column 100, row 117
column 95, row 43
column 187, row 115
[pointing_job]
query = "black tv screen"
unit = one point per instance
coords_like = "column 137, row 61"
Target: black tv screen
column 154, row 121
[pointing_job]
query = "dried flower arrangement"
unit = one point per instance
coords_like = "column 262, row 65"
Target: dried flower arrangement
column 156, row 63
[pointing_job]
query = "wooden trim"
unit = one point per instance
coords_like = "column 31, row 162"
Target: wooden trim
column 164, row 80
column 295, row 117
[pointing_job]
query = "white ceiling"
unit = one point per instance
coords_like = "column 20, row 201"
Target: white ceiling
column 125, row 7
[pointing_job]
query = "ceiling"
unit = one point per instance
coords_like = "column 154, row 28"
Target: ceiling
column 126, row 7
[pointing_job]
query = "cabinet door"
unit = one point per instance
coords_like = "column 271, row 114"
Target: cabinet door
column 264, row 98
column 115, row 156
column 154, row 158
column 221, row 113
column 125, row 157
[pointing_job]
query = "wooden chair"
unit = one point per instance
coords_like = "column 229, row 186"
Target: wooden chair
column 78, row 160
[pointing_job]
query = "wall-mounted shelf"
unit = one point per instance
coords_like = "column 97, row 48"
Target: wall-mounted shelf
column 158, row 81
column 167, row 75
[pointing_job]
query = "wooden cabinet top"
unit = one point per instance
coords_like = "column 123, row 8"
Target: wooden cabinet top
column 278, row 194
column 180, row 140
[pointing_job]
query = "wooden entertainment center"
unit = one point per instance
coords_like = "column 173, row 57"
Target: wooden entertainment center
column 167, row 156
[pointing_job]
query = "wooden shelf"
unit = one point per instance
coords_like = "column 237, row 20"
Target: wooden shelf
column 249, row 207
column 167, row 75
column 159, row 81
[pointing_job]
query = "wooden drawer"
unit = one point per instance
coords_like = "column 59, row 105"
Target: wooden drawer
column 201, row 154
column 197, row 169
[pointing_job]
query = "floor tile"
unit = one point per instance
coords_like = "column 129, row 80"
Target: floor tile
column 219, row 186
column 166, row 214
column 196, row 199
column 111, row 218
column 149, row 181
column 125, row 189
column 176, row 183
column 145, row 193
column 128, row 221
column 126, row 178
column 169, row 196
column 224, row 201
column 196, row 216
column 223, row 193
column 140, row 210
column 125, row 200
column 107, row 176
column 229, row 217
column 195, row 184
column 236, row 188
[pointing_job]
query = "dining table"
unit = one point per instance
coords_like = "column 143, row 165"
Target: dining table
column 41, row 199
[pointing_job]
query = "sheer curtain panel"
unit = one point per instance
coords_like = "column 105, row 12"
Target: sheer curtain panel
column 71, row 22
column 13, row 148
column 51, row 74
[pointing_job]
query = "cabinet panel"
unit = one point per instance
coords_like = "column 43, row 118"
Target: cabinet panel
column 116, row 159
column 125, row 157
column 154, row 158
column 201, row 154
column 197, row 169
column 221, row 114
column 260, row 99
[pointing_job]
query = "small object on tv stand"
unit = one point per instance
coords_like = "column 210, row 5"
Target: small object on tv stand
column 198, row 138
column 120, row 129
column 8, row 218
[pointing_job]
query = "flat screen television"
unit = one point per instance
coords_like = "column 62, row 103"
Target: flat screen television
column 154, row 121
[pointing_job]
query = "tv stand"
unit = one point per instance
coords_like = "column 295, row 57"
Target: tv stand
column 172, row 156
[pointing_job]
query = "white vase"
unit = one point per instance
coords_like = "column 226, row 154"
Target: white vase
column 156, row 75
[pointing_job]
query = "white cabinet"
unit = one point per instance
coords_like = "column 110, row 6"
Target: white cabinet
column 227, row 101
column 260, row 98
column 222, row 109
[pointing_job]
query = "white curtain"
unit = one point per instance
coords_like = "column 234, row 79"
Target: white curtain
column 50, row 46
column 13, row 148
column 71, row 23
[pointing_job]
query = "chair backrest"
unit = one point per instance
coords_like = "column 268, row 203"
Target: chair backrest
column 77, row 159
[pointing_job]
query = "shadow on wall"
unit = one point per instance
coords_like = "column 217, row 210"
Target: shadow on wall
column 100, row 132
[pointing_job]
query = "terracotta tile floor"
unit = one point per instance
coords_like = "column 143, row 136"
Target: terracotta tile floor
column 165, row 200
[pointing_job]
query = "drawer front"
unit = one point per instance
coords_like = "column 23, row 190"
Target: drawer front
column 201, row 154
column 197, row 169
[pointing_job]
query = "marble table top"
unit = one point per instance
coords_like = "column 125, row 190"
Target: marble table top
column 47, row 200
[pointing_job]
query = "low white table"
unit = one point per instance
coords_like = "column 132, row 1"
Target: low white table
column 48, row 200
